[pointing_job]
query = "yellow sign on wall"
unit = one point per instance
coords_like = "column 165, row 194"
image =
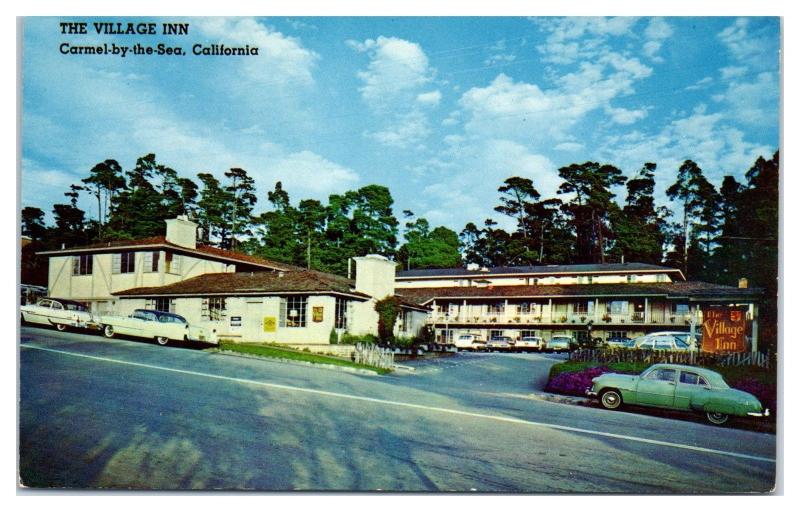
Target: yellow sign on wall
column 316, row 313
column 270, row 324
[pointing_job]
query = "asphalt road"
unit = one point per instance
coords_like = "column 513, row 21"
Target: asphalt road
column 98, row 413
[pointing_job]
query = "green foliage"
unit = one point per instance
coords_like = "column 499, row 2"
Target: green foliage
column 388, row 310
column 277, row 352
column 354, row 339
column 426, row 248
column 333, row 337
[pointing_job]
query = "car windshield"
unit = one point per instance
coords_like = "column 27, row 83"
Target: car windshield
column 167, row 318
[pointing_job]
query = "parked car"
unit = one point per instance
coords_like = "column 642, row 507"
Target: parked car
column 59, row 313
column 560, row 344
column 674, row 386
column 500, row 343
column 529, row 344
column 619, row 342
column 667, row 340
column 160, row 326
column 471, row 342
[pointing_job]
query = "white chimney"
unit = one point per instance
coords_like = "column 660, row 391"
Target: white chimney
column 181, row 231
column 375, row 275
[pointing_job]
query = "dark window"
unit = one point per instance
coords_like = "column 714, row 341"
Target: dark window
column 293, row 311
column 172, row 263
column 341, row 313
column 151, row 261
column 162, row 304
column 124, row 262
column 216, row 308
column 82, row 265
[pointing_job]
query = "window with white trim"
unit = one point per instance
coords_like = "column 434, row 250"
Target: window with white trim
column 162, row 304
column 82, row 264
column 172, row 263
column 151, row 261
column 617, row 334
column 293, row 311
column 123, row 262
column 631, row 278
column 584, row 307
column 214, row 308
column 341, row 313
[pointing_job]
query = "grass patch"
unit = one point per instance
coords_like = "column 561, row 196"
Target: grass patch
column 277, row 352
column 576, row 366
column 729, row 373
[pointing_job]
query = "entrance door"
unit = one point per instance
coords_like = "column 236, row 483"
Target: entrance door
column 252, row 324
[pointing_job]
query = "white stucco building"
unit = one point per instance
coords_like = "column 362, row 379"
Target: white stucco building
column 249, row 299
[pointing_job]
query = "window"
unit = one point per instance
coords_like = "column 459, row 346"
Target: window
column 497, row 307
column 123, row 263
column 215, row 308
column 631, row 279
column 693, row 379
column 293, row 311
column 528, row 334
column 495, row 334
column 665, row 374
column 617, row 334
column 172, row 263
column 162, row 304
column 525, row 308
column 584, row 308
column 82, row 265
column 341, row 313
column 585, row 279
column 151, row 261
column 446, row 336
column 618, row 307
column 680, row 309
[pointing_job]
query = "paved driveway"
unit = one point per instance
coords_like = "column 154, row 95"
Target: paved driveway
column 125, row 414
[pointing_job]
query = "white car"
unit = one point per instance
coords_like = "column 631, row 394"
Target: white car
column 560, row 343
column 529, row 343
column 59, row 313
column 470, row 342
column 676, row 341
column 160, row 326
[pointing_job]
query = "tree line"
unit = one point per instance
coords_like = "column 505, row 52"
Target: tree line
column 716, row 234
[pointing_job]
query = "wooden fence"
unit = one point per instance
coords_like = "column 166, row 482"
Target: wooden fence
column 373, row 355
column 759, row 359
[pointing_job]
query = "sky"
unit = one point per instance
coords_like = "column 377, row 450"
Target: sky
column 440, row 110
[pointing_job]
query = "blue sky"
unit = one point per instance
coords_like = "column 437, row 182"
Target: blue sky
column 440, row 110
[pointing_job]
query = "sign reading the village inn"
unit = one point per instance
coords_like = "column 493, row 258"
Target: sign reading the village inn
column 724, row 329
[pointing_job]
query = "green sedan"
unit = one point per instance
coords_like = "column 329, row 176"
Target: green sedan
column 674, row 386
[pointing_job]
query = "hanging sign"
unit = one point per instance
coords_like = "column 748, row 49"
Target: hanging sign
column 724, row 329
column 269, row 324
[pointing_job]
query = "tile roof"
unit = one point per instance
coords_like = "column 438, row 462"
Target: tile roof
column 681, row 289
column 537, row 269
column 252, row 283
column 161, row 242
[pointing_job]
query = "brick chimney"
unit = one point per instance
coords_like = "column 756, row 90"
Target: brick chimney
column 181, row 231
column 742, row 282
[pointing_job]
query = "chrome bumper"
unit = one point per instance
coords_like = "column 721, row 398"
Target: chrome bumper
column 589, row 392
column 759, row 414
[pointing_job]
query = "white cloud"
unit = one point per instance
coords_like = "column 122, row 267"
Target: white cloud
column 429, row 98
column 755, row 102
column 499, row 58
column 700, row 84
column 396, row 69
column 729, row 72
column 282, row 59
column 744, row 45
column 306, row 171
column 569, row 146
column 406, row 130
column 625, row 116
column 561, row 47
column 657, row 31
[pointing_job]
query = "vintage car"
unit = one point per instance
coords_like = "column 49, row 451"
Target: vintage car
column 470, row 342
column 560, row 344
column 676, row 341
column 674, row 386
column 59, row 313
column 160, row 326
column 529, row 344
column 499, row 343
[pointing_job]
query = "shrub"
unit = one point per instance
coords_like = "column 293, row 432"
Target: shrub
column 388, row 309
column 767, row 393
column 353, row 339
column 333, row 338
column 575, row 383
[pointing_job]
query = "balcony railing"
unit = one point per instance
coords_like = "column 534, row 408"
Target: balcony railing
column 636, row 317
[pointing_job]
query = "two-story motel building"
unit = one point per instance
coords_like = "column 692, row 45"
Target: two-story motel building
column 582, row 301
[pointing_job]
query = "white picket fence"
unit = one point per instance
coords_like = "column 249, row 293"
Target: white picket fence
column 373, row 355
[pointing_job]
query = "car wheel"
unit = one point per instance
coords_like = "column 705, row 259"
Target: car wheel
column 162, row 340
column 610, row 399
column 108, row 331
column 61, row 327
column 717, row 418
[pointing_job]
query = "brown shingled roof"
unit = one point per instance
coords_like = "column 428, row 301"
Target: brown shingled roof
column 681, row 289
column 160, row 242
column 253, row 283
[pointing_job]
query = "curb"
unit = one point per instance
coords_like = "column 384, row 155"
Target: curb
column 561, row 399
column 324, row 366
